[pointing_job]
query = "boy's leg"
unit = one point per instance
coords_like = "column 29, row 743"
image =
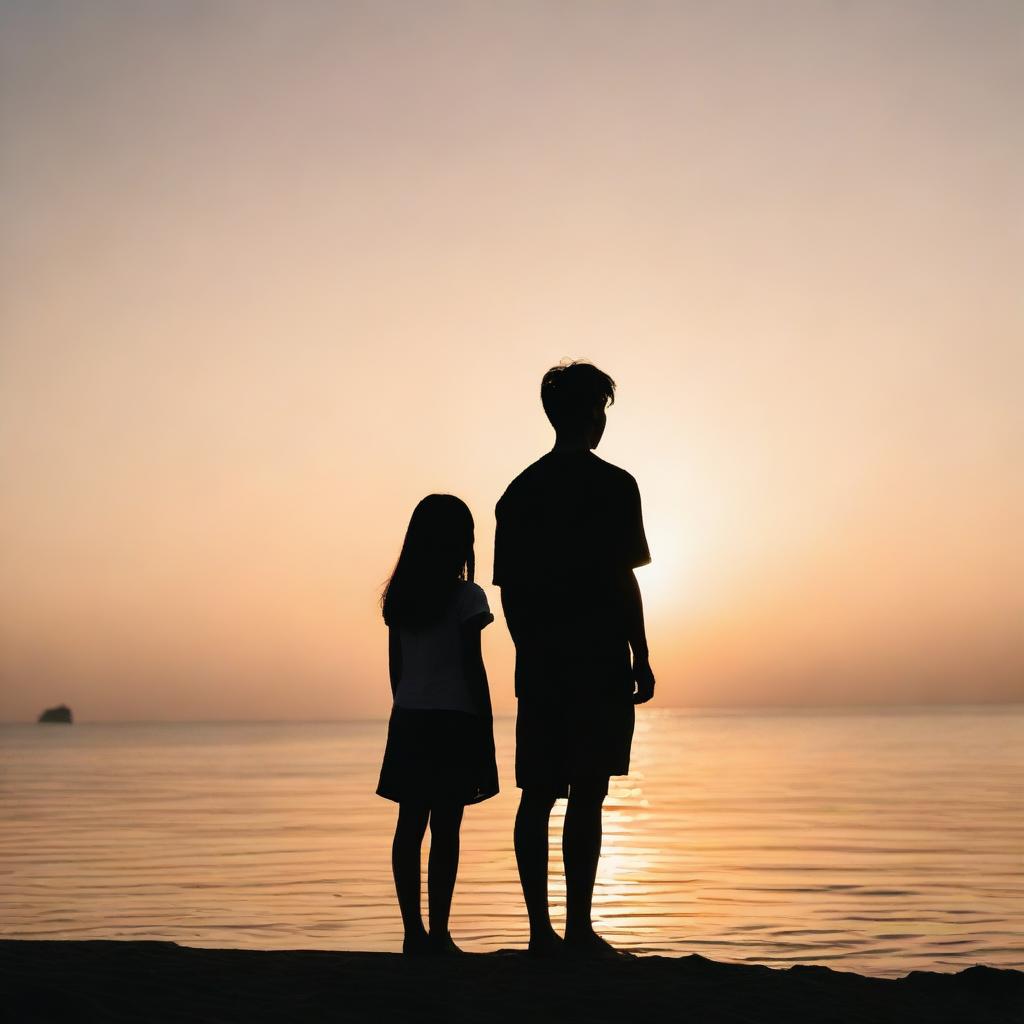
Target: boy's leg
column 405, row 865
column 442, row 867
column 531, row 843
column 581, row 850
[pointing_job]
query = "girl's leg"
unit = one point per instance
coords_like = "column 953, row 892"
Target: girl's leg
column 405, row 865
column 442, row 868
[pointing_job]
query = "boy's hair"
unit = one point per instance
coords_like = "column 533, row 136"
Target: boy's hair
column 570, row 391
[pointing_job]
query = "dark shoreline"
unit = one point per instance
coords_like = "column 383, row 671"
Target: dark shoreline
column 160, row 981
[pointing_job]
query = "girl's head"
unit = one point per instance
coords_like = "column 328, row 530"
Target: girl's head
column 437, row 552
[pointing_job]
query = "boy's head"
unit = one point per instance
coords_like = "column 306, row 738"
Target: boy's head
column 574, row 396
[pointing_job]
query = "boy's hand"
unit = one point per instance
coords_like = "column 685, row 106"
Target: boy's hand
column 644, row 678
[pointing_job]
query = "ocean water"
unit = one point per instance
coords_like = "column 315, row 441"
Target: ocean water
column 875, row 841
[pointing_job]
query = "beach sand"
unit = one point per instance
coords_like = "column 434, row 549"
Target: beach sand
column 162, row 981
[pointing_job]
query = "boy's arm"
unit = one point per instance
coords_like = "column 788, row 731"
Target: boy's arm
column 634, row 609
column 511, row 606
column 394, row 658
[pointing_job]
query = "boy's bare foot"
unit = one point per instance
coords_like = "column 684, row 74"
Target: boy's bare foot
column 442, row 945
column 416, row 944
column 589, row 943
column 548, row 943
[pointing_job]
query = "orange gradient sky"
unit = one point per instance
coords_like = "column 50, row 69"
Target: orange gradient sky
column 272, row 272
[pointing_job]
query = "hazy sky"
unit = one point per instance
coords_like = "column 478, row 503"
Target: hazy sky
column 272, row 272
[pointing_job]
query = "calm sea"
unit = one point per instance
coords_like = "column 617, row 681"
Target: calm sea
column 873, row 841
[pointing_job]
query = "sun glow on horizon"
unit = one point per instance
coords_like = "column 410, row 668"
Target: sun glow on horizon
column 668, row 583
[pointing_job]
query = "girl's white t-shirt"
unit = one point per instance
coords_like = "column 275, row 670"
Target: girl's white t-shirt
column 432, row 673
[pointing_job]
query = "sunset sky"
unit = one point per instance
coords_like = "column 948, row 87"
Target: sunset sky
column 271, row 272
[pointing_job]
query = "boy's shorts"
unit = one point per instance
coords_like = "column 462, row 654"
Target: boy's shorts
column 562, row 740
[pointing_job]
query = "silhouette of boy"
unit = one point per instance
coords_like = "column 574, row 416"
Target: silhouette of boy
column 569, row 534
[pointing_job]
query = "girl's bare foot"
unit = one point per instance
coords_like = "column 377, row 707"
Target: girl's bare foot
column 548, row 943
column 416, row 943
column 588, row 943
column 442, row 945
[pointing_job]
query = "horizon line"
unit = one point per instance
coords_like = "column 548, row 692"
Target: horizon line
column 723, row 709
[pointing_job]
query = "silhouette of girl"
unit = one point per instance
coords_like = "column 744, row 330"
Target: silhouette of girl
column 440, row 748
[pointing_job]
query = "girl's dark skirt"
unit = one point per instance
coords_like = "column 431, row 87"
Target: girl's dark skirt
column 438, row 757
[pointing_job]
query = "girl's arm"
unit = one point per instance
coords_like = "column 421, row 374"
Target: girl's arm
column 394, row 658
column 473, row 662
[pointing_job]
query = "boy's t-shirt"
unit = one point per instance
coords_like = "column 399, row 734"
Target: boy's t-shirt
column 568, row 528
column 432, row 673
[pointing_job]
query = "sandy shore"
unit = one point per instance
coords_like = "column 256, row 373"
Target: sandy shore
column 161, row 981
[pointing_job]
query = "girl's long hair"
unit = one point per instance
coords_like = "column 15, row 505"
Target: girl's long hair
column 437, row 552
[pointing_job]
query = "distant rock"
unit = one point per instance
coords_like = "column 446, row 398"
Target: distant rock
column 61, row 713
